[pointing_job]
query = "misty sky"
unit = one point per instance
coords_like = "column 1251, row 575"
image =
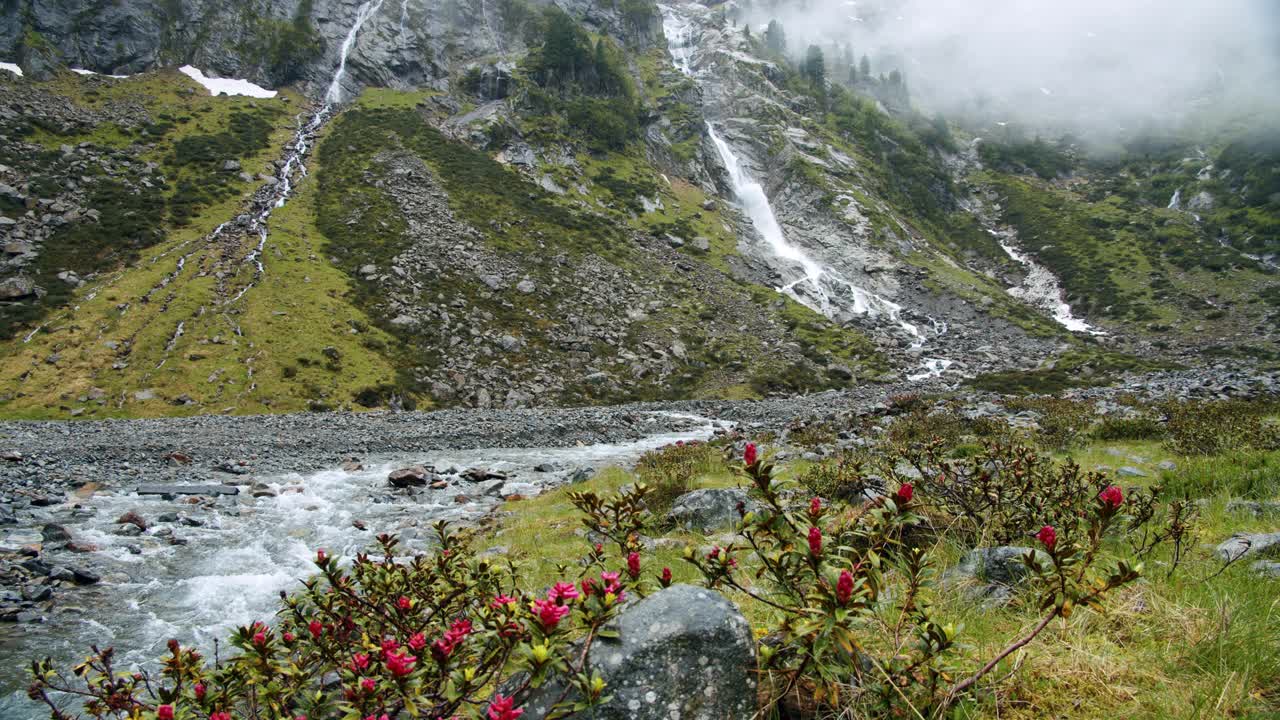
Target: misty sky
column 1080, row 64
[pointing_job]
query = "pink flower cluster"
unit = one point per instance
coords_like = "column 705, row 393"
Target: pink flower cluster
column 441, row 649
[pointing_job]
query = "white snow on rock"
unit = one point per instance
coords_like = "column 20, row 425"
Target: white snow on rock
column 11, row 67
column 221, row 86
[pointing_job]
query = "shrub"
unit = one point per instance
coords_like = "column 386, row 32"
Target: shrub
column 1215, row 427
column 672, row 470
column 1129, row 428
column 1061, row 422
column 827, row 573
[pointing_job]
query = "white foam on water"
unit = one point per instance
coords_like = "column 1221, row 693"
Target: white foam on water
column 334, row 95
column 226, row 86
column 11, row 67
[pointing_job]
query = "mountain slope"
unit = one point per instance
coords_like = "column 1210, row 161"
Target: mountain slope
column 585, row 204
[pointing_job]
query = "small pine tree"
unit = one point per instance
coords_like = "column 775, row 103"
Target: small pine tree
column 864, row 67
column 853, row 74
column 775, row 38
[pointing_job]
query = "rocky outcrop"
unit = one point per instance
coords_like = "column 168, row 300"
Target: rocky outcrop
column 684, row 652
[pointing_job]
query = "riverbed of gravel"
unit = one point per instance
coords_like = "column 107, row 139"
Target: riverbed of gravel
column 49, row 457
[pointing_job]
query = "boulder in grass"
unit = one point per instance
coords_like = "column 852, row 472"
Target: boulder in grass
column 1238, row 546
column 710, row 510
column 684, row 652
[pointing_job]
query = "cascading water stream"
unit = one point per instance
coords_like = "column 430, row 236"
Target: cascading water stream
column 817, row 286
column 1040, row 288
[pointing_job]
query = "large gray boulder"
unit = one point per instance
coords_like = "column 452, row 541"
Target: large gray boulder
column 1238, row 546
column 685, row 652
column 709, row 510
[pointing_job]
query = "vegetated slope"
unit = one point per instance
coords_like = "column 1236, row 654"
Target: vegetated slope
column 1171, row 244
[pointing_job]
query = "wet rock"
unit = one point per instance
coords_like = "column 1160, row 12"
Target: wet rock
column 54, row 533
column 11, row 456
column 260, row 490
column 128, row 531
column 1244, row 544
column 709, row 510
column 415, row 476
column 232, row 467
column 352, row 465
column 36, row 566
column 81, row 576
column 482, row 474
column 581, row 475
column 187, row 490
column 37, row 593
column 132, row 518
column 684, row 652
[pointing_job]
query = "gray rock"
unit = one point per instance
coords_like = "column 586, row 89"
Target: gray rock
column 54, row 533
column 710, row 509
column 188, row 490
column 1238, row 546
column 1167, row 465
column 1128, row 471
column 231, row 165
column 684, row 652
column 81, row 576
column 1256, row 509
column 16, row 287
column 997, row 565
column 1266, row 569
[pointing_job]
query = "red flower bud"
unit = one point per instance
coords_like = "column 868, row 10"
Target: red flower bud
column 1112, row 497
column 1048, row 536
column 259, row 639
column 905, row 491
column 503, row 708
column 321, row 557
column 368, row 685
column 844, row 587
column 750, row 455
column 417, row 641
column 815, row 508
column 315, row 628
column 220, row 715
column 401, row 663
column 633, row 565
column 199, row 690
column 164, row 712
column 665, row 580
column 289, row 637
column 404, row 603
column 815, row 541
column 549, row 613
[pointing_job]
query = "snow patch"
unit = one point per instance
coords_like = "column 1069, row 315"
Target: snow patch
column 82, row 71
column 223, row 86
column 11, row 67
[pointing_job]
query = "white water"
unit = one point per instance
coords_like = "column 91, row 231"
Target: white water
column 11, row 67
column 367, row 10
column 1176, row 201
column 224, row 86
column 1041, row 289
column 248, row 550
column 404, row 16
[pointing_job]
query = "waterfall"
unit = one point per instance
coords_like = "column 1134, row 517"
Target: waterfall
column 1176, row 200
column 814, row 285
column 281, row 189
column 334, row 95
column 404, row 16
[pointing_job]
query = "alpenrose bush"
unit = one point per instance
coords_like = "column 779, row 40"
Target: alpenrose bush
column 387, row 637
column 847, row 584
column 451, row 635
